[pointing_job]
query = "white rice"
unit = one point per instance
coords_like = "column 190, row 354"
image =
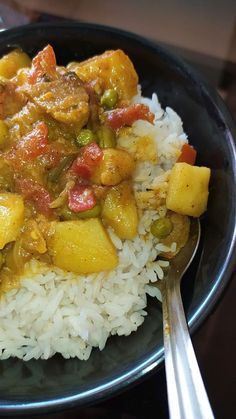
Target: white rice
column 58, row 312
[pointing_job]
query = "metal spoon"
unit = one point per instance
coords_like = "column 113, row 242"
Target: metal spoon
column 187, row 397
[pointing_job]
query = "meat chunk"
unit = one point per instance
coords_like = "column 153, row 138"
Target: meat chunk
column 65, row 99
column 22, row 122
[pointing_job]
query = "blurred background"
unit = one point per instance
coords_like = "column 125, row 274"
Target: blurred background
column 203, row 32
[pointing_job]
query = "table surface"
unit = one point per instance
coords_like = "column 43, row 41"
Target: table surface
column 204, row 33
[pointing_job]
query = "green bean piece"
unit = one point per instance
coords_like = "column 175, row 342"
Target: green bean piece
column 55, row 173
column 66, row 214
column 85, row 137
column 109, row 99
column 106, row 137
column 3, row 134
column 161, row 228
column 91, row 213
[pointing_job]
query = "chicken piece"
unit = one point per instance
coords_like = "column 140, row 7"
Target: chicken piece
column 22, row 122
column 116, row 165
column 113, row 70
column 179, row 233
column 65, row 99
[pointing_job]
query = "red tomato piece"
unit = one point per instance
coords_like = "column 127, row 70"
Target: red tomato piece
column 43, row 63
column 188, row 155
column 127, row 116
column 35, row 193
column 33, row 144
column 80, row 168
column 81, row 198
column 90, row 157
column 92, row 154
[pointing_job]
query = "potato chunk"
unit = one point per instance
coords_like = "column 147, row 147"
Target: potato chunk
column 116, row 165
column 120, row 211
column 113, row 70
column 81, row 246
column 11, row 217
column 10, row 63
column 188, row 189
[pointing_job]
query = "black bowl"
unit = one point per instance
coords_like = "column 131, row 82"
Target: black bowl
column 58, row 383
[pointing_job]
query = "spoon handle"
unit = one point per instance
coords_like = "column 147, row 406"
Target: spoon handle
column 187, row 397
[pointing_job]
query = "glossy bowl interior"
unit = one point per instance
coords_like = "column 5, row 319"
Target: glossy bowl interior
column 58, row 383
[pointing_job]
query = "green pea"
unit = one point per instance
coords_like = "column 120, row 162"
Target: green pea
column 106, row 137
column 109, row 99
column 85, row 137
column 91, row 213
column 3, row 133
column 161, row 228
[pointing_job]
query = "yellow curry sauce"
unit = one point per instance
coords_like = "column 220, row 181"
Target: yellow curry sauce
column 63, row 177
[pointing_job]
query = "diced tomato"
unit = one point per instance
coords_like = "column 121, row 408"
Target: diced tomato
column 81, row 198
column 43, row 63
column 80, row 168
column 35, row 193
column 127, row 116
column 90, row 156
column 33, row 144
column 188, row 154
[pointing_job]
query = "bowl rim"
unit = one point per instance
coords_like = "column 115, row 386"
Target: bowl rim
column 150, row 363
